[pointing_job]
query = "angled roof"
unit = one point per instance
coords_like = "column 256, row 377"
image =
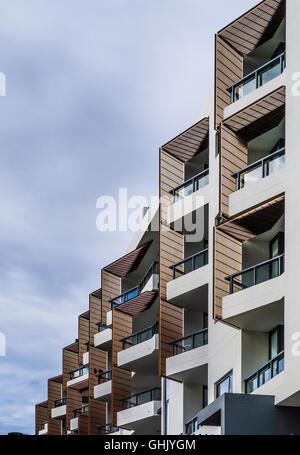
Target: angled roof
column 255, row 27
column 58, row 379
column 260, row 116
column 97, row 293
column 190, row 142
column 255, row 221
column 74, row 347
column 138, row 304
column 85, row 315
column 43, row 404
column 128, row 263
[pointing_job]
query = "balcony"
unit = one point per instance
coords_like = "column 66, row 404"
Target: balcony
column 267, row 270
column 265, row 373
column 190, row 264
column 110, row 429
column 74, row 423
column 260, row 169
column 190, row 186
column 148, row 283
column 79, row 378
column 104, row 336
column 60, row 408
column 102, row 391
column 258, row 78
column 140, row 412
column 140, row 350
column 44, row 428
column 190, row 357
column 191, row 426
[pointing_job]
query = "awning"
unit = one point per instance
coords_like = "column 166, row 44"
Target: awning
column 255, row 27
column 255, row 221
column 139, row 303
column 259, row 117
column 190, row 142
column 128, row 263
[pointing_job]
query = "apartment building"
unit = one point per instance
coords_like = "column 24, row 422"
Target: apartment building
column 196, row 329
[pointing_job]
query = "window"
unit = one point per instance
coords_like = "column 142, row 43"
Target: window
column 224, row 385
column 276, row 341
column 205, row 396
column 167, row 405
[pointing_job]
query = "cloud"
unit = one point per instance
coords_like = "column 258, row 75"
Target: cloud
column 93, row 89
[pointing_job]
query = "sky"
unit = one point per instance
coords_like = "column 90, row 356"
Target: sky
column 94, row 87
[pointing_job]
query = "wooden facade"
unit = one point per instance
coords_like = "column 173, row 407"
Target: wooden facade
column 41, row 415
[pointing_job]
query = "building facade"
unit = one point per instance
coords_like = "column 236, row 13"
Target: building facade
column 196, row 329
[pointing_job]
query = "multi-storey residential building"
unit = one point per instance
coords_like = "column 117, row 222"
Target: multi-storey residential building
column 197, row 332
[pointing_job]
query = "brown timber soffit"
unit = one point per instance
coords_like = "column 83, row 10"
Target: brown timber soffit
column 74, row 347
column 43, row 404
column 58, row 379
column 260, row 117
column 190, row 142
column 128, row 263
column 255, row 221
column 97, row 293
column 85, row 315
column 255, row 27
column 138, row 304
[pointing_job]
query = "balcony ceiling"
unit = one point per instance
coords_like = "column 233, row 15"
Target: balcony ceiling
column 260, row 117
column 85, row 315
column 192, row 141
column 97, row 293
column 255, row 27
column 138, row 304
column 255, row 221
column 74, row 347
column 58, row 379
column 128, row 263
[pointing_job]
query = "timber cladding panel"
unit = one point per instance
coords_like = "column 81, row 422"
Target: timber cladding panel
column 70, row 363
column 227, row 260
column 233, row 157
column 111, row 287
column 95, row 316
column 83, row 424
column 121, row 379
column 97, row 409
column 41, row 415
column 228, row 70
column 171, row 251
column 83, row 335
column 74, row 401
column 54, row 393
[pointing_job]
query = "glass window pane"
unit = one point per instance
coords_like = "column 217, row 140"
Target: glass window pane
column 270, row 72
column 246, row 88
column 188, row 266
column 251, row 176
column 275, row 164
column 188, row 189
column 199, row 261
column 274, row 344
column 263, row 273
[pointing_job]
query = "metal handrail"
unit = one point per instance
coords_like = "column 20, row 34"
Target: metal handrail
column 193, row 335
column 104, row 376
column 151, row 271
column 194, row 422
column 237, row 175
column 270, row 363
column 174, row 266
column 80, row 371
column 60, row 402
column 81, row 410
column 153, row 328
column 130, row 404
column 256, row 74
column 101, row 327
column 254, row 268
column 108, row 428
column 192, row 180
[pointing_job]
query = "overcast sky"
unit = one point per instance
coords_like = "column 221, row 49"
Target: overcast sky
column 94, row 87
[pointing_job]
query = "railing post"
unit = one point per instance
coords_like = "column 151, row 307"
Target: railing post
column 254, row 276
column 256, row 78
column 231, row 285
column 193, row 263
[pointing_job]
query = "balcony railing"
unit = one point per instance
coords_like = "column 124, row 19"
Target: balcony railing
column 43, row 426
column 191, row 186
column 81, row 410
column 191, row 426
column 260, row 169
column 265, row 373
column 190, row 264
column 104, row 376
column 101, row 327
column 190, row 342
column 140, row 337
column 146, row 396
column 108, row 429
column 60, row 402
column 272, row 268
column 257, row 78
column 79, row 372
column 133, row 292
